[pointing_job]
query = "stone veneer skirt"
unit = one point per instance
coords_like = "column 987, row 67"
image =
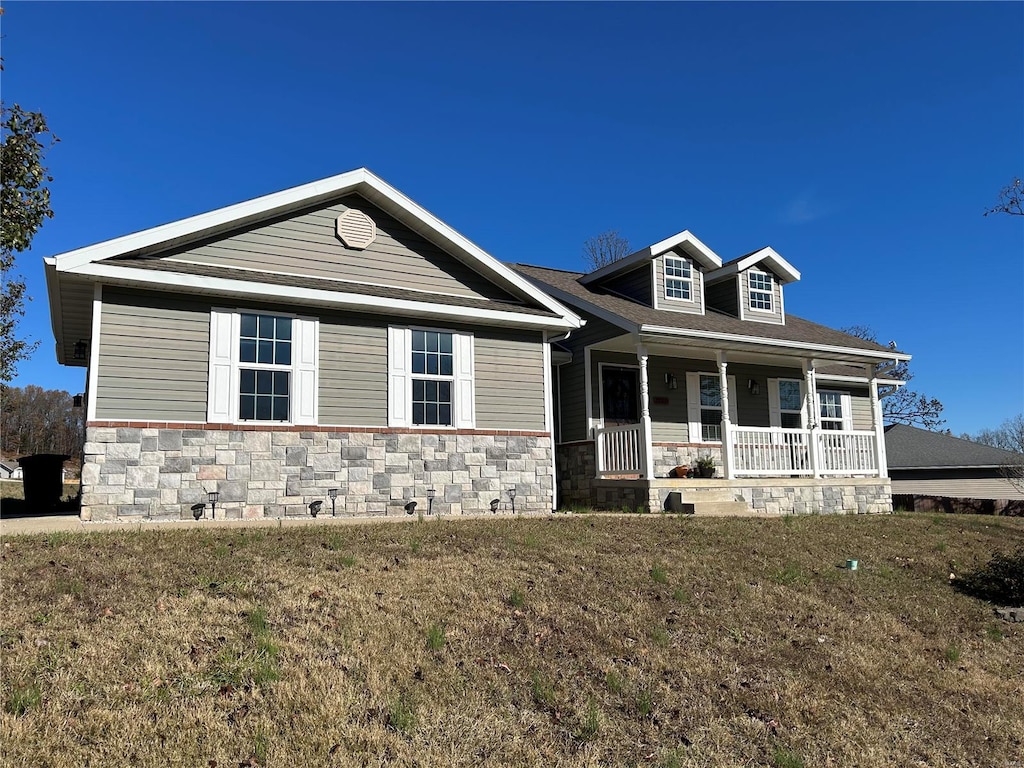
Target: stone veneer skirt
column 132, row 472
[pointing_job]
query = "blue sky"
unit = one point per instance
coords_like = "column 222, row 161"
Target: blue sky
column 862, row 141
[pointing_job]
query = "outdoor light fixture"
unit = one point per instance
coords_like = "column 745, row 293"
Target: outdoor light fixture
column 314, row 507
column 81, row 349
column 670, row 381
column 213, row 496
column 197, row 510
column 512, row 497
column 78, row 400
column 754, row 387
column 410, row 507
column 430, row 500
column 332, row 494
column 494, row 505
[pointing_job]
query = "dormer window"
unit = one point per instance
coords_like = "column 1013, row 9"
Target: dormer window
column 760, row 284
column 678, row 279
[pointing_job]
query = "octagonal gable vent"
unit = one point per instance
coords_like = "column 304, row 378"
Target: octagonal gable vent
column 356, row 229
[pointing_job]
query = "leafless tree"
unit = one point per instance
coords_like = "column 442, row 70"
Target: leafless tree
column 605, row 248
column 901, row 405
column 37, row 420
column 1011, row 200
column 1010, row 437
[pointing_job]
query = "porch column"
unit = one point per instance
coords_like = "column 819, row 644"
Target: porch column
column 812, row 415
column 727, row 448
column 645, row 413
column 879, row 427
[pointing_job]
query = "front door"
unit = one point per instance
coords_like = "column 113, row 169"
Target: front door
column 620, row 395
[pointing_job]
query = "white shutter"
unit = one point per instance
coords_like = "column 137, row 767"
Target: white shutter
column 847, row 405
column 774, row 404
column 693, row 406
column 465, row 406
column 305, row 348
column 219, row 401
column 399, row 361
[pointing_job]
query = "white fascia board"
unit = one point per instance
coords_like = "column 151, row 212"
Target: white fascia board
column 596, row 311
column 858, row 379
column 314, row 296
column 684, row 240
column 795, row 345
column 360, row 180
column 782, row 268
column 56, row 312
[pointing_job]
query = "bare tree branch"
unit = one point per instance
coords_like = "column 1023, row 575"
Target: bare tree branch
column 1011, row 200
column 603, row 249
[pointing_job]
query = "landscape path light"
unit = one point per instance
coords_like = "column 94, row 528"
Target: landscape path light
column 333, row 495
column 512, row 498
column 430, row 500
column 213, row 496
column 314, row 507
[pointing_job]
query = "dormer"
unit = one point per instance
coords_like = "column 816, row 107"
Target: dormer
column 667, row 275
column 750, row 287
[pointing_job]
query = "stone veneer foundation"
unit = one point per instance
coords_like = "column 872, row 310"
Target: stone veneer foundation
column 159, row 471
column 838, row 495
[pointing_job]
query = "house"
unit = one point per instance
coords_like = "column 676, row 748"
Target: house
column 330, row 340
column 9, row 471
column 685, row 357
column 931, row 471
column 337, row 341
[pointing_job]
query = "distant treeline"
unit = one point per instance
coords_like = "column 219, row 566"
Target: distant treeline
column 37, row 420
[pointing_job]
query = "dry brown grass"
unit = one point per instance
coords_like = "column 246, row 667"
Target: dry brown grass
column 582, row 641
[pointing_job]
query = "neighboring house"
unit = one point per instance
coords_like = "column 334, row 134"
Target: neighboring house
column 931, row 471
column 334, row 336
column 684, row 357
column 9, row 471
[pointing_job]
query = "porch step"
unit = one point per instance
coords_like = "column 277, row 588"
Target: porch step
column 724, row 509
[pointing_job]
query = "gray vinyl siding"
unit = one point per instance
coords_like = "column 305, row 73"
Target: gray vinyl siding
column 722, row 297
column 306, row 244
column 573, row 377
column 954, row 483
column 153, row 357
column 860, row 406
column 353, row 375
column 509, row 380
column 677, row 305
column 758, row 315
column 636, row 285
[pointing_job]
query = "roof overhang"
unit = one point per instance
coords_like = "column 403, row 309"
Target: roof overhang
column 783, row 346
column 685, row 243
column 768, row 256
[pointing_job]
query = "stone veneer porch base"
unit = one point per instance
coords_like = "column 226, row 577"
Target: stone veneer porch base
column 837, row 495
column 158, row 471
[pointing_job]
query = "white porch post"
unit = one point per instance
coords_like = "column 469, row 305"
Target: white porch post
column 727, row 447
column 876, row 422
column 812, row 415
column 645, row 413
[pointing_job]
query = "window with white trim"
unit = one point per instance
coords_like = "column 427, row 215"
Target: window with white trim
column 791, row 404
column 704, row 405
column 678, row 278
column 263, row 368
column 430, row 378
column 835, row 410
column 760, row 289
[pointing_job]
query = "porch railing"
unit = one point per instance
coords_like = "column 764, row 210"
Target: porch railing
column 767, row 452
column 846, row 452
column 763, row 452
column 620, row 450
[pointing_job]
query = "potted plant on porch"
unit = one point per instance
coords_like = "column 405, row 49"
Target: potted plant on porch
column 705, row 466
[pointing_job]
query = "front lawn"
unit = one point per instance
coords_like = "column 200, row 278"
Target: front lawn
column 646, row 641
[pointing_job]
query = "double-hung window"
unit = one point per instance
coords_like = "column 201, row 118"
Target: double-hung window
column 835, row 410
column 263, row 368
column 678, row 278
column 760, row 288
column 430, row 378
column 704, row 405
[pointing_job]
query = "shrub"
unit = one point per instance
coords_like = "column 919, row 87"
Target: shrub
column 1001, row 581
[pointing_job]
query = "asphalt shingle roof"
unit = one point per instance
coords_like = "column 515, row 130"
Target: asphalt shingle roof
column 796, row 328
column 913, row 448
